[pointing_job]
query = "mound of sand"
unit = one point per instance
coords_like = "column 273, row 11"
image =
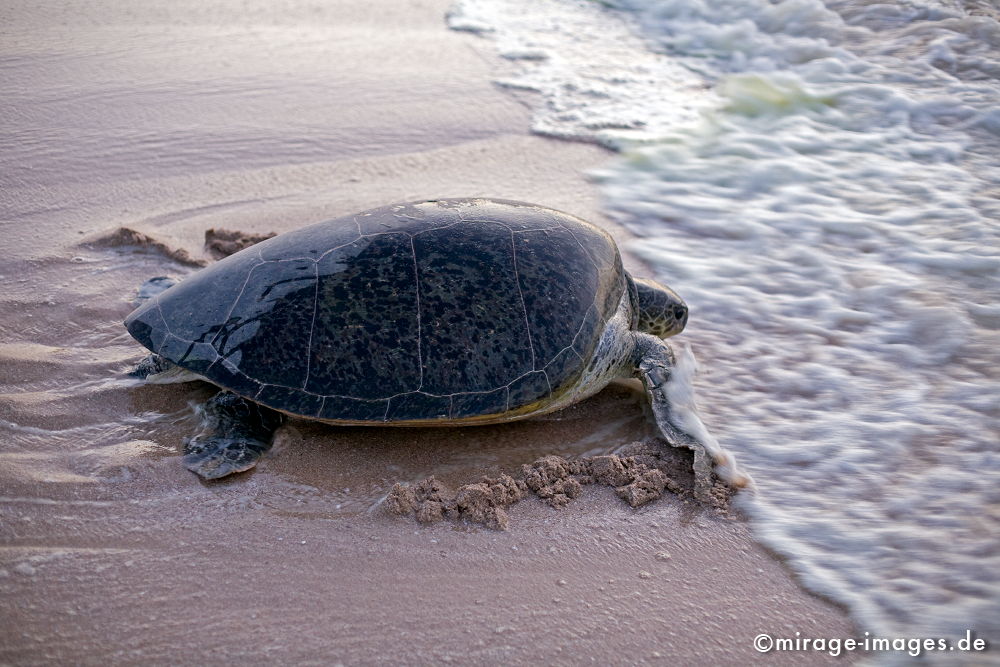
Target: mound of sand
column 640, row 473
column 219, row 243
column 124, row 237
column 224, row 242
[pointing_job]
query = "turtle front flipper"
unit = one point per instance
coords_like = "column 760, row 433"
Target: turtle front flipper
column 235, row 435
column 676, row 418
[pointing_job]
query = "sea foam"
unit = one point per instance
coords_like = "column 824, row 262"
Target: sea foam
column 820, row 183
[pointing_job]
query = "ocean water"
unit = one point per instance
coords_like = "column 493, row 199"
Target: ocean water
column 821, row 182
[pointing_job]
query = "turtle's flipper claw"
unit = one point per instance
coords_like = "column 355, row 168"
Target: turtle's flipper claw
column 237, row 433
column 213, row 457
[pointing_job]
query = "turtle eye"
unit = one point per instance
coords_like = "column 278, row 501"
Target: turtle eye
column 680, row 312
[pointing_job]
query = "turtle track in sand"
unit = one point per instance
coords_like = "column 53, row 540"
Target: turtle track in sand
column 640, row 472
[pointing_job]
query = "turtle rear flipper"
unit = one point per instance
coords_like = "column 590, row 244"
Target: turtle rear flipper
column 236, row 434
column 153, row 287
column 155, row 369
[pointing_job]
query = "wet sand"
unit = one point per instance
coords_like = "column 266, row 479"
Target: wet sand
column 172, row 119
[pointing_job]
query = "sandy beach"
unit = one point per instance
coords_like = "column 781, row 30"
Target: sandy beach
column 173, row 118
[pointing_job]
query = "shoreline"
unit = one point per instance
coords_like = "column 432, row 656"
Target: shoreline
column 112, row 552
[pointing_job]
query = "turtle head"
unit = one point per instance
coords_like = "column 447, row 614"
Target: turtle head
column 661, row 312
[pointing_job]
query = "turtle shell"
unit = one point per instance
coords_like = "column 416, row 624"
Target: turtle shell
column 444, row 310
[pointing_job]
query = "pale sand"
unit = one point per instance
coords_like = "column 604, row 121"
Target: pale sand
column 170, row 119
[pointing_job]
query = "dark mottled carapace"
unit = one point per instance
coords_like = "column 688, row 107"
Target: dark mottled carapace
column 441, row 310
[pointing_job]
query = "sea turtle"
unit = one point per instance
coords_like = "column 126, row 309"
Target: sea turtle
column 442, row 312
